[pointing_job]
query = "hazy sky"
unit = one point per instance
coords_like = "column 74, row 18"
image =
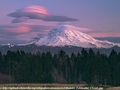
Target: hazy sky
column 22, row 20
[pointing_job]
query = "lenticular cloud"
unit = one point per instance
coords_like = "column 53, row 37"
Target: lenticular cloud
column 35, row 9
column 37, row 12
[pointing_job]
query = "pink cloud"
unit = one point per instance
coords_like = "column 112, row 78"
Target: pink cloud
column 22, row 29
column 105, row 34
column 17, row 29
column 22, row 32
column 33, row 8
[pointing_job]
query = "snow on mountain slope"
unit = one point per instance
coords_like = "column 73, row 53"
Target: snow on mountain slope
column 67, row 35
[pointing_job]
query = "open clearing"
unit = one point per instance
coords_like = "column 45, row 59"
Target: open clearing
column 44, row 86
column 31, row 86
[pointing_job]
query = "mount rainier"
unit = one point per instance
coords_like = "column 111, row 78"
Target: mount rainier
column 68, row 35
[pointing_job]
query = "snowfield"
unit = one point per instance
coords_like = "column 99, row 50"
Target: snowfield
column 68, row 35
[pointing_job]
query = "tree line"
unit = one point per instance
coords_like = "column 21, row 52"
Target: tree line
column 85, row 67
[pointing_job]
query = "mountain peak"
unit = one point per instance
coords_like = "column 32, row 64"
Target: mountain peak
column 68, row 35
column 64, row 26
column 68, row 27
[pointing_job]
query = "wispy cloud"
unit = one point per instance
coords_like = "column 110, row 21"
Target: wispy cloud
column 24, row 32
column 39, row 13
column 21, row 19
column 105, row 34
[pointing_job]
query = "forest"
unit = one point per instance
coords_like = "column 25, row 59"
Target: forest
column 85, row 67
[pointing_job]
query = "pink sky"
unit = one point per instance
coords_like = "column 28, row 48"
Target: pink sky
column 33, row 18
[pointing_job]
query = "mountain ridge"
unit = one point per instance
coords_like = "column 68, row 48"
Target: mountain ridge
column 68, row 35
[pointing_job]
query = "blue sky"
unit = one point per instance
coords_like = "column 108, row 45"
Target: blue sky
column 101, row 17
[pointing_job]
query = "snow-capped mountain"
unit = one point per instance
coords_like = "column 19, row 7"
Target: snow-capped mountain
column 68, row 35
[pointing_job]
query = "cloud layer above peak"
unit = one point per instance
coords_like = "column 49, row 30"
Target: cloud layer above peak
column 39, row 13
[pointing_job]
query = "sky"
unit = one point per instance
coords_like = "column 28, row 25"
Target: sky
column 24, row 20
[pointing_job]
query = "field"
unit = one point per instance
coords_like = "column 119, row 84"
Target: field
column 54, row 86
column 45, row 87
column 41, row 85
